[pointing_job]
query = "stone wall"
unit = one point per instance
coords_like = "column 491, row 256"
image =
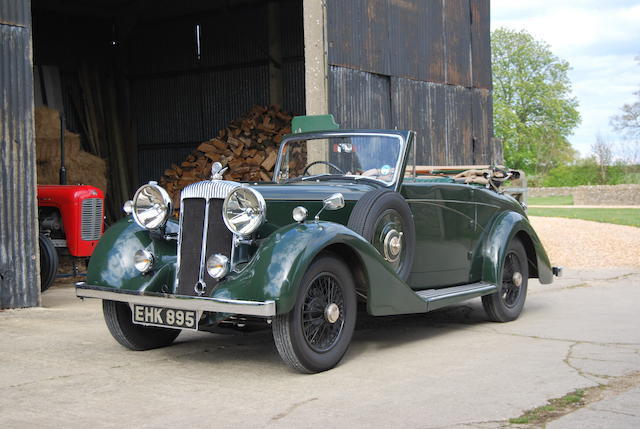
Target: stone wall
column 604, row 195
column 551, row 192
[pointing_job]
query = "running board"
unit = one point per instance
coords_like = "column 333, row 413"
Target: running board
column 438, row 298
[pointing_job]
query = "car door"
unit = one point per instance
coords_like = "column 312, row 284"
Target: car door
column 446, row 232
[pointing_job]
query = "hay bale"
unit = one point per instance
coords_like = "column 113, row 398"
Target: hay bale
column 82, row 167
column 47, row 123
column 48, row 149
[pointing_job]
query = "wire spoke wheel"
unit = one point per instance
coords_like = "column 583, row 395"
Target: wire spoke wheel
column 323, row 303
column 511, row 280
column 315, row 334
column 507, row 304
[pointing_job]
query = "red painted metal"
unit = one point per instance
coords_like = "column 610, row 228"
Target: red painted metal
column 68, row 200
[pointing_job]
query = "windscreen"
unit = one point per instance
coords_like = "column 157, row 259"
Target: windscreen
column 374, row 157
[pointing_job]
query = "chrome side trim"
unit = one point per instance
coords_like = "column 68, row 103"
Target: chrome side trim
column 182, row 302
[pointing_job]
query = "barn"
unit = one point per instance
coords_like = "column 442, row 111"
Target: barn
column 143, row 83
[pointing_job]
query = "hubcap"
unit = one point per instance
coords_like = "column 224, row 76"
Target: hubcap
column 332, row 313
column 517, row 279
column 392, row 245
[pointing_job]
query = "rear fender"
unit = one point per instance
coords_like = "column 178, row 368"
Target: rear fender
column 507, row 226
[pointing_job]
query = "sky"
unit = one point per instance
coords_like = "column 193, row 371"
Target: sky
column 600, row 39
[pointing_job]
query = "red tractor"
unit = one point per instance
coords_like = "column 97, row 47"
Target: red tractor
column 70, row 218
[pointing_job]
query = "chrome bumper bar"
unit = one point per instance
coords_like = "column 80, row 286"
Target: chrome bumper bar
column 182, row 302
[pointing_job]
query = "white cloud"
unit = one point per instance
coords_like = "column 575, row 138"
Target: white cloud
column 599, row 39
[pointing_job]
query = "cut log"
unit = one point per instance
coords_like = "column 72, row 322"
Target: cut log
column 248, row 146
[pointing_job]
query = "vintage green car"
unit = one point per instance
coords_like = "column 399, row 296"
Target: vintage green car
column 346, row 223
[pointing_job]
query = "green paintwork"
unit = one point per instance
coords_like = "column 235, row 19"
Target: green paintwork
column 462, row 233
column 313, row 123
column 276, row 269
column 111, row 264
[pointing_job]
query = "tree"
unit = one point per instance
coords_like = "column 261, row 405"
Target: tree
column 628, row 122
column 534, row 111
column 603, row 156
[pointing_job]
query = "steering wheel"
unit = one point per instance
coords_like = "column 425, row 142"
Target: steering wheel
column 335, row 167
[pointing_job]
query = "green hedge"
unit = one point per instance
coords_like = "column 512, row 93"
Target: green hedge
column 578, row 175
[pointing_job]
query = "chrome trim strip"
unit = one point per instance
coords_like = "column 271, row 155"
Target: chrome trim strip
column 218, row 189
column 433, row 200
column 182, row 302
column 203, row 250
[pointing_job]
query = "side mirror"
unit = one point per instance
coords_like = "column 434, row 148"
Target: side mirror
column 332, row 202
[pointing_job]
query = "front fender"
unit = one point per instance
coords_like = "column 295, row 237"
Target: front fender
column 277, row 268
column 504, row 229
column 111, row 264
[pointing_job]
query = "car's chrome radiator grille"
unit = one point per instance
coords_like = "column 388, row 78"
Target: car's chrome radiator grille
column 202, row 230
column 91, row 228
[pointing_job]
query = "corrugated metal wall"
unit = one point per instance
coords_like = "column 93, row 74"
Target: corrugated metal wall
column 179, row 99
column 421, row 65
column 19, row 271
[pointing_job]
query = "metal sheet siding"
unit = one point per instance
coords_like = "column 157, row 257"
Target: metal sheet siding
column 457, row 39
column 358, row 35
column 359, row 99
column 419, row 106
column 459, row 126
column 416, row 40
column 19, row 269
column 415, row 64
column 293, row 87
column 481, row 43
column 482, row 112
column 16, row 13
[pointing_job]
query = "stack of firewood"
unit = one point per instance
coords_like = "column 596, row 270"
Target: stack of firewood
column 248, row 146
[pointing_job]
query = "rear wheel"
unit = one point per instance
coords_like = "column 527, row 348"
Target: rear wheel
column 315, row 335
column 117, row 315
column 48, row 262
column 506, row 304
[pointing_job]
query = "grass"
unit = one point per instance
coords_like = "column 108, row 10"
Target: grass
column 554, row 408
column 560, row 200
column 629, row 217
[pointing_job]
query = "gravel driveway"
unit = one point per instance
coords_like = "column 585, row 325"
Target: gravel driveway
column 576, row 243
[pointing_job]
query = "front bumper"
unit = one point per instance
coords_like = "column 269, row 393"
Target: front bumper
column 182, row 302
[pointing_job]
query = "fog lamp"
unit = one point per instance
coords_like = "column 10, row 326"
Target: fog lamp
column 217, row 266
column 143, row 260
column 299, row 214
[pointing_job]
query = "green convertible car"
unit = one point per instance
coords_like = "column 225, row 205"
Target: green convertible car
column 347, row 221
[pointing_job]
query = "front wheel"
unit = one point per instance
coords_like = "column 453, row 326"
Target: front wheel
column 315, row 335
column 48, row 262
column 117, row 315
column 506, row 304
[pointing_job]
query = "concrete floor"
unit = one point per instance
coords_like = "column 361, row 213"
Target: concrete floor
column 59, row 367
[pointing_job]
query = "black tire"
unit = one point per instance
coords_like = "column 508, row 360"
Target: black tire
column 506, row 304
column 117, row 315
column 305, row 337
column 48, row 262
column 380, row 209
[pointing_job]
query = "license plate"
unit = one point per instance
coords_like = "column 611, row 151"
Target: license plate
column 165, row 317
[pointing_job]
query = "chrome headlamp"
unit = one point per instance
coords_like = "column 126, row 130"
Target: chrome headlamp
column 243, row 211
column 151, row 206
